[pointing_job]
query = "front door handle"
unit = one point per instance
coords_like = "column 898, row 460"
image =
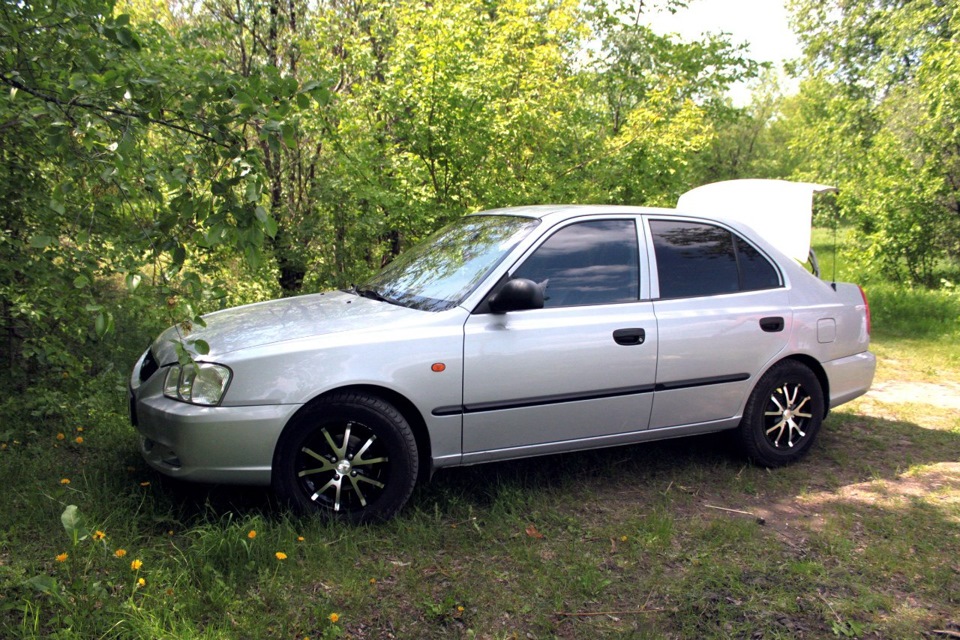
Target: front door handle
column 772, row 325
column 629, row 337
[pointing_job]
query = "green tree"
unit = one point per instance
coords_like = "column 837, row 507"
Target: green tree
column 122, row 158
column 757, row 140
column 879, row 116
column 220, row 151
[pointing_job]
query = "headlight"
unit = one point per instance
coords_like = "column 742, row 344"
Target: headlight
column 199, row 383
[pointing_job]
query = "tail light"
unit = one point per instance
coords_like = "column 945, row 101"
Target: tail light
column 866, row 306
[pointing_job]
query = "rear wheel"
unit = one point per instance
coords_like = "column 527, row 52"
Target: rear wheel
column 352, row 456
column 783, row 415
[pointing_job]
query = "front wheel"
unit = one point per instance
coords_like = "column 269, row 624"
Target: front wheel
column 352, row 456
column 783, row 415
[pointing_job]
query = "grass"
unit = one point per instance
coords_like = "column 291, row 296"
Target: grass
column 675, row 539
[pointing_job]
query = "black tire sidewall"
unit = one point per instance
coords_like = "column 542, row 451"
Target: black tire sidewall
column 752, row 426
column 379, row 417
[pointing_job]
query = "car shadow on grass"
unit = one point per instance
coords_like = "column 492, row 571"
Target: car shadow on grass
column 850, row 449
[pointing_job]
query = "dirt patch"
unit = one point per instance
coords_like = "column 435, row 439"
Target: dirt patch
column 937, row 485
column 945, row 395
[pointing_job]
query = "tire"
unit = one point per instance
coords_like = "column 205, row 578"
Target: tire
column 351, row 457
column 783, row 415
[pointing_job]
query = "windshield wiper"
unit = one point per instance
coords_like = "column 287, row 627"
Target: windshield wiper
column 373, row 294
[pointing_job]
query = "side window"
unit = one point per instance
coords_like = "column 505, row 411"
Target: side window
column 695, row 259
column 756, row 272
column 587, row 263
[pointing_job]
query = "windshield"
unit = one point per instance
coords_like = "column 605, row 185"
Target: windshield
column 441, row 271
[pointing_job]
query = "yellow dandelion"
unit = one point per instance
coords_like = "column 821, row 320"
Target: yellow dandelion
column 373, row 581
column 460, row 608
column 3, row 446
column 170, row 532
column 120, row 553
column 98, row 535
column 334, row 617
column 61, row 436
column 300, row 538
column 252, row 534
column 62, row 557
column 80, row 429
column 280, row 555
column 78, row 440
column 623, row 538
column 64, row 480
column 136, row 564
column 142, row 582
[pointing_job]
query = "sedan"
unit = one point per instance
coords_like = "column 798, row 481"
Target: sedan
column 512, row 333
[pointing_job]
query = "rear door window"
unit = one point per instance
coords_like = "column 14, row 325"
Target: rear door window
column 699, row 259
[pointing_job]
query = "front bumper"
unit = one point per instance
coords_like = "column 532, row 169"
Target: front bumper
column 232, row 445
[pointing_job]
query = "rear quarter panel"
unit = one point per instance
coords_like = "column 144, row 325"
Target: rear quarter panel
column 830, row 324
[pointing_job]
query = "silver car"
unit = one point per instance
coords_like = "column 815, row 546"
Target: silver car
column 518, row 332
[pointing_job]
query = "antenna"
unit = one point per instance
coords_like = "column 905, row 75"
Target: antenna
column 836, row 246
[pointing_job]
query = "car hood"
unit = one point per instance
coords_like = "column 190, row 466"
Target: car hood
column 779, row 211
column 280, row 320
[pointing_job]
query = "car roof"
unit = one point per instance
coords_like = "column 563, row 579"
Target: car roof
column 553, row 212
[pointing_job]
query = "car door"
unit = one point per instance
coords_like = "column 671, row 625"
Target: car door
column 582, row 367
column 723, row 314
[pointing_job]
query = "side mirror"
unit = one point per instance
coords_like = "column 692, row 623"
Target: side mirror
column 519, row 294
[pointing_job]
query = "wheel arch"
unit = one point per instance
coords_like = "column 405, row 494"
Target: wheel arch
column 406, row 408
column 814, row 365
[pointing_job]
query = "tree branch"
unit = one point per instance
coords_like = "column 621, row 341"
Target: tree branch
column 110, row 110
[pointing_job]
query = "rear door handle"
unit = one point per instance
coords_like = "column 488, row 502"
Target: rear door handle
column 629, row 337
column 772, row 325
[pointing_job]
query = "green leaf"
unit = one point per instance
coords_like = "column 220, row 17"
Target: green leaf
column 201, row 347
column 252, row 193
column 81, row 281
column 40, row 242
column 124, row 36
column 57, row 206
column 43, row 584
column 252, row 256
column 270, row 226
column 133, row 281
column 289, row 137
column 71, row 521
column 183, row 356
